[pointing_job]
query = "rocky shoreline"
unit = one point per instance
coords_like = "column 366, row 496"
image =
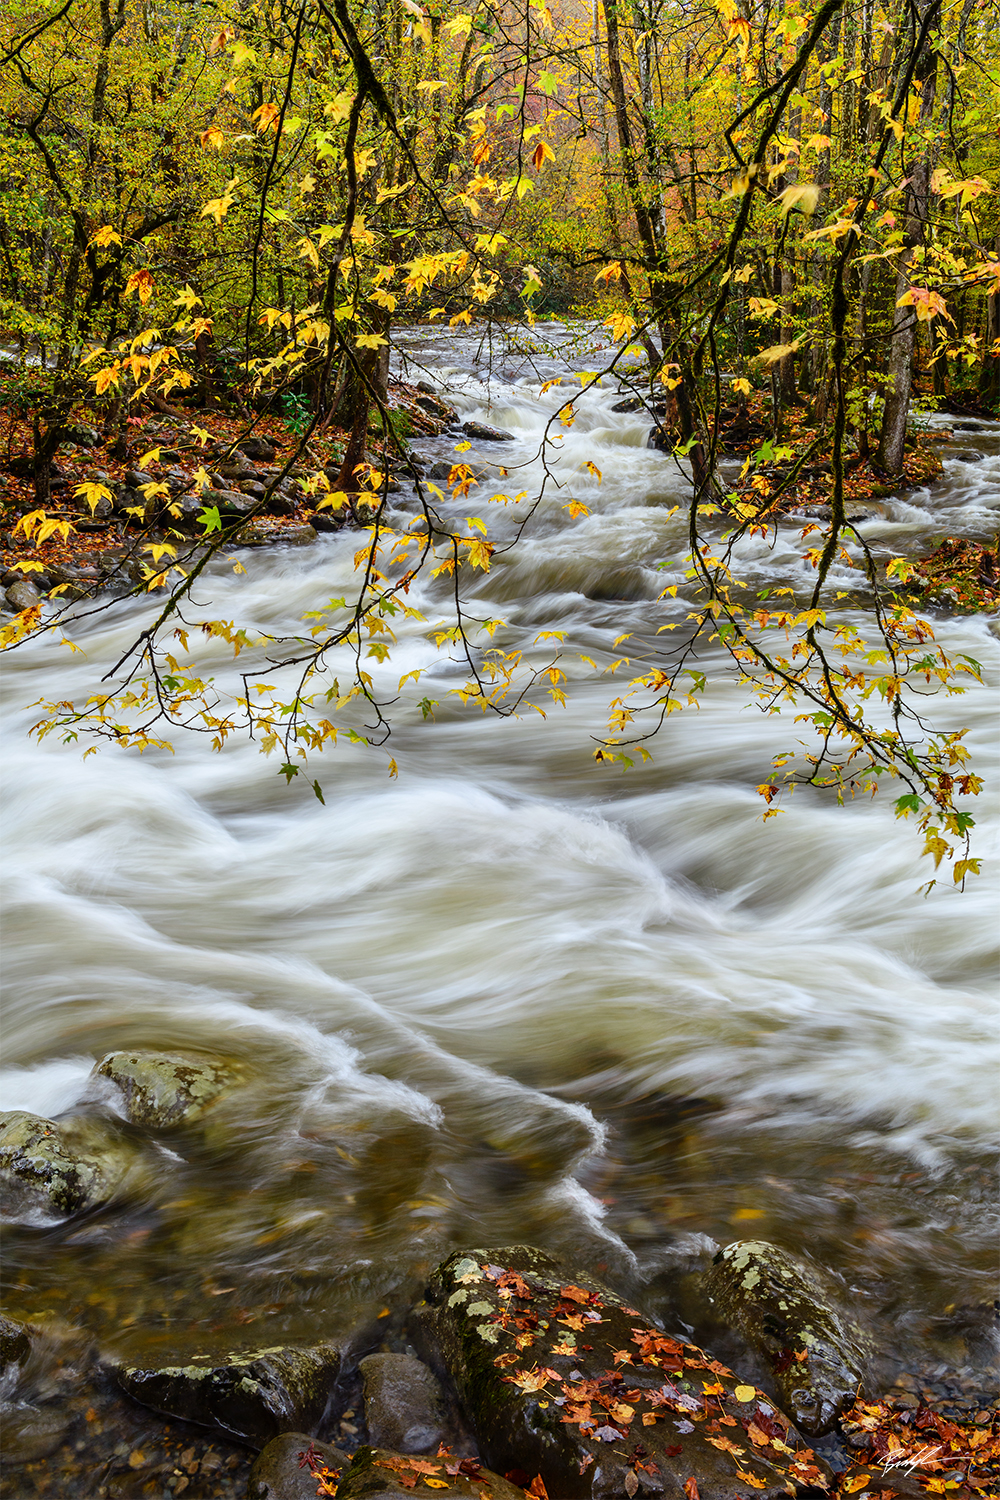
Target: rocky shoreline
column 512, row 1372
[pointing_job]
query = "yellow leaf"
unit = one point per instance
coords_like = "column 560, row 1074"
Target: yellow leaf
column 855, row 1483
column 542, row 154
column 745, row 1393
column 436, row 1484
column 370, row 340
column 212, row 139
column 105, row 236
column 775, row 352
column 92, row 493
column 752, row 1213
column 142, row 282
column 802, row 196
column 339, row 108
column 621, row 326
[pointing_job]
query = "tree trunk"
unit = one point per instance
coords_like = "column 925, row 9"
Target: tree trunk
column 904, row 323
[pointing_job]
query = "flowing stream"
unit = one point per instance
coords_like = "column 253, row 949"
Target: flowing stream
column 512, row 994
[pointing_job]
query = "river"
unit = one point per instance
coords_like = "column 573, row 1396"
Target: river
column 513, row 994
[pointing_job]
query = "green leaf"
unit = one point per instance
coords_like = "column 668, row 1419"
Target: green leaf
column 318, row 791
column 906, row 805
column 288, row 771
column 210, row 518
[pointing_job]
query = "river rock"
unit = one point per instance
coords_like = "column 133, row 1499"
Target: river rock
column 296, row 536
column 22, row 595
column 816, row 1359
column 15, row 1345
column 255, row 1394
column 484, row 434
column 65, row 1168
column 33, row 1432
column 376, row 1474
column 232, row 503
column 257, row 448
column 136, row 478
column 161, row 1091
column 281, row 1472
column 559, row 1377
column 440, row 471
column 404, row 1404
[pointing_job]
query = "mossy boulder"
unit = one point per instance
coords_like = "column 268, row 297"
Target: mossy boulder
column 161, row 1091
column 290, row 1466
column 377, row 1474
column 816, row 1358
column 559, row 1377
column 52, row 1169
column 254, row 1394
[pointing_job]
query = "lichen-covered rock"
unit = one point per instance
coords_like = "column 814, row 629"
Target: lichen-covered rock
column 816, row 1359
column 404, row 1405
column 255, row 1394
column 161, row 1091
column 558, row 1377
column 15, row 1345
column 288, row 1468
column 376, row 1474
column 57, row 1169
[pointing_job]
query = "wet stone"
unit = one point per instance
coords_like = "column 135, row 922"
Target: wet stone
column 282, row 1470
column 484, row 434
column 60, row 1169
column 816, row 1359
column 404, row 1405
column 558, row 1377
column 161, row 1091
column 22, row 595
column 376, row 1474
column 255, row 1395
column 15, row 1345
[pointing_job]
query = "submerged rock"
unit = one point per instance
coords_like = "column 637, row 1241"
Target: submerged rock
column 376, row 1474
column 160, row 1091
column 404, row 1404
column 255, row 1394
column 816, row 1359
column 558, row 1377
column 65, row 1168
column 283, row 1470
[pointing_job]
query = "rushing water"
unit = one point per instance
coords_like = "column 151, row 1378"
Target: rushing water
column 512, row 994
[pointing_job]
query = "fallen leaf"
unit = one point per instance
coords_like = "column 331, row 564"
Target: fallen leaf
column 631, row 1483
column 691, row 1489
column 745, row 1393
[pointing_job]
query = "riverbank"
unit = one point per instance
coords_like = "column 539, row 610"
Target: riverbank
column 112, row 538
